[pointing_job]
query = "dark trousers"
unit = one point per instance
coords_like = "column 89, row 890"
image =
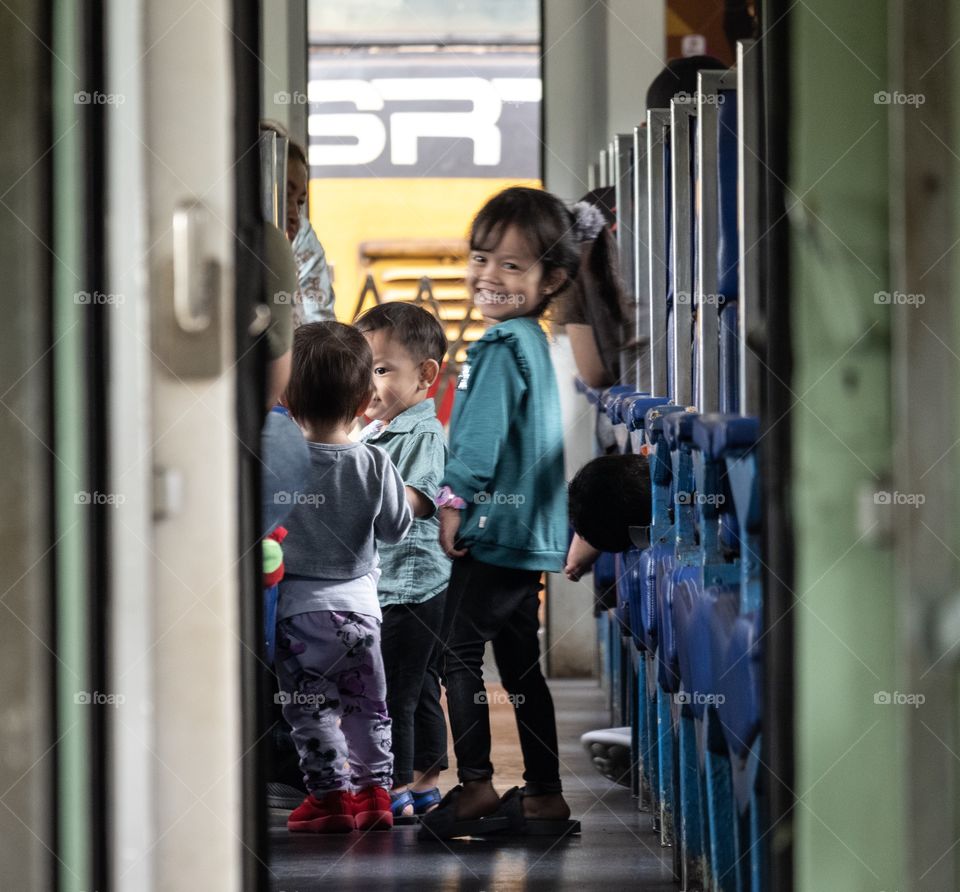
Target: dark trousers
column 500, row 605
column 410, row 644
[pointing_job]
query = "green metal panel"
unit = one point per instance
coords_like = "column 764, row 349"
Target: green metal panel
column 73, row 499
column 848, row 784
column 26, row 726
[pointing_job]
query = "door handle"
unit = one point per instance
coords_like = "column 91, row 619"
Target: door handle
column 192, row 296
column 188, row 317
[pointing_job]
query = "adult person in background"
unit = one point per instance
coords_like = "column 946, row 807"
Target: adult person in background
column 594, row 313
column 594, row 308
column 314, row 300
column 285, row 460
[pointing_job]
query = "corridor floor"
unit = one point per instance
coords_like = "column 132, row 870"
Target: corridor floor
column 616, row 850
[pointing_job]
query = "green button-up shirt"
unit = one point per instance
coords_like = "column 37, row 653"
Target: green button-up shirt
column 415, row 569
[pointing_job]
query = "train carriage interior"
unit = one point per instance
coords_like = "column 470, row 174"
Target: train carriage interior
column 750, row 627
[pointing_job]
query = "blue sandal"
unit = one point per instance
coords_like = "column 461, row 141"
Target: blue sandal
column 398, row 802
column 422, row 801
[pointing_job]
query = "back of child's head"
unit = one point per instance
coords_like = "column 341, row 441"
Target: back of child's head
column 416, row 330
column 679, row 76
column 331, row 378
column 608, row 496
column 541, row 219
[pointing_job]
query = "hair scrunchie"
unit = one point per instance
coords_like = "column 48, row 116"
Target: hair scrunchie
column 588, row 221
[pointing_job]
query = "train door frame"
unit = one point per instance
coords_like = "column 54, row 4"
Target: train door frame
column 28, row 693
column 251, row 383
column 776, row 455
column 925, row 343
column 186, row 775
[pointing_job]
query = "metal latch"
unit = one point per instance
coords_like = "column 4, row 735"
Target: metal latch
column 187, row 316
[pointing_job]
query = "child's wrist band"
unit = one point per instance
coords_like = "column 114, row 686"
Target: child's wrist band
column 447, row 498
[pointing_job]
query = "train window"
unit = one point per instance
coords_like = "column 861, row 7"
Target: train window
column 416, row 113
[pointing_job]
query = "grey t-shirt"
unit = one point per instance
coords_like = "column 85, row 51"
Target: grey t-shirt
column 353, row 495
column 343, row 595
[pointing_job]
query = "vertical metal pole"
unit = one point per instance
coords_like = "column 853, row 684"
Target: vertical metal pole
column 641, row 274
column 268, row 173
column 749, row 173
column 623, row 155
column 280, row 180
column 658, row 123
column 623, row 185
column 681, row 112
column 708, row 319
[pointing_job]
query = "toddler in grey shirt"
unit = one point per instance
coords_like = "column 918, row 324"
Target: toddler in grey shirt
column 328, row 660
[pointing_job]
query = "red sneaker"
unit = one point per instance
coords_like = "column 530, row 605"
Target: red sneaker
column 371, row 809
column 330, row 813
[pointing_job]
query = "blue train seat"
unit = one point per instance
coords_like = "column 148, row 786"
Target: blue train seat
column 680, row 570
column 633, row 584
column 634, row 412
column 662, row 533
column 726, row 444
column 628, row 571
column 612, row 405
column 729, row 442
column 737, row 656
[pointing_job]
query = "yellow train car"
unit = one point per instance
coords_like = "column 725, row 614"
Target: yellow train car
column 425, row 221
column 406, row 142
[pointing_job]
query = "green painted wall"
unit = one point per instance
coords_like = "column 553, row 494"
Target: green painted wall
column 848, row 821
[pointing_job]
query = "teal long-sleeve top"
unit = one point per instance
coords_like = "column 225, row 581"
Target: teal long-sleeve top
column 506, row 450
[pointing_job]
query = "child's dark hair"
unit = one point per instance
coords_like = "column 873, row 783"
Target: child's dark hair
column 679, row 76
column 413, row 327
column 608, row 496
column 600, row 273
column 542, row 220
column 296, row 153
column 331, row 376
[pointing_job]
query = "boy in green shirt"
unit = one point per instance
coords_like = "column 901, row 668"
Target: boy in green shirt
column 408, row 346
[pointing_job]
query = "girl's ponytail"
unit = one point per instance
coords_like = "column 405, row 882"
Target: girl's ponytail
column 603, row 274
column 598, row 298
column 588, row 221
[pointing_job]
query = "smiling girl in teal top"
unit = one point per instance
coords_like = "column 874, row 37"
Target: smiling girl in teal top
column 503, row 516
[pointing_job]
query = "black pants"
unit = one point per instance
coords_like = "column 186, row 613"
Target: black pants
column 410, row 643
column 498, row 604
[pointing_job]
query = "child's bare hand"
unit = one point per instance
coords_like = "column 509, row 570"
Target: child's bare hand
column 580, row 558
column 449, row 528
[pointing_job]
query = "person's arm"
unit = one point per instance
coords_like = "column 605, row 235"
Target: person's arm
column 419, row 503
column 580, row 558
column 450, row 519
column 494, row 391
column 586, row 356
column 315, row 292
column 280, row 282
column 393, row 521
column 278, row 376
